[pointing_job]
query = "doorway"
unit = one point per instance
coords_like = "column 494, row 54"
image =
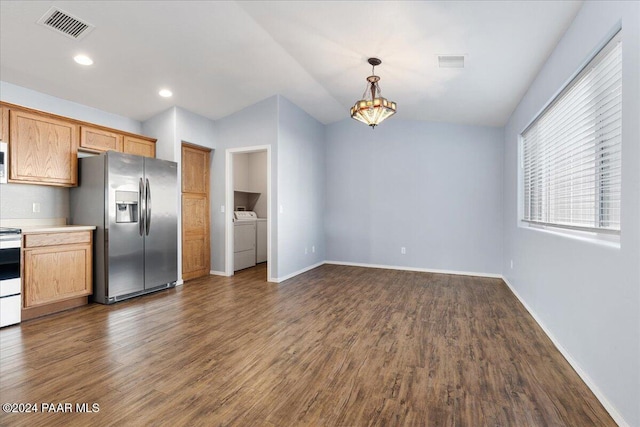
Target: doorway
column 245, row 194
column 196, row 245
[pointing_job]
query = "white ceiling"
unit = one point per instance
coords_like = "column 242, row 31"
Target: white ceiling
column 219, row 57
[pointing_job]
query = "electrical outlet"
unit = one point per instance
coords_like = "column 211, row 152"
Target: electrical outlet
column 512, row 264
column 221, row 208
column 36, row 207
column 281, row 209
column 403, row 250
column 313, row 249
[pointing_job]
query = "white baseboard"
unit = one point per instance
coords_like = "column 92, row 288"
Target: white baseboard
column 295, row 273
column 576, row 367
column 388, row 267
column 422, row 270
column 179, row 282
column 218, row 273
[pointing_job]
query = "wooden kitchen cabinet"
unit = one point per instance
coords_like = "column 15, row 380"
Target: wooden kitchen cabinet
column 42, row 149
column 57, row 271
column 4, row 124
column 95, row 139
column 139, row 146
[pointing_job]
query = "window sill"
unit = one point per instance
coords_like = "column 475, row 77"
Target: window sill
column 592, row 237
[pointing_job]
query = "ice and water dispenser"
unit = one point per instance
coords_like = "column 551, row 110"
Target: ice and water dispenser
column 126, row 206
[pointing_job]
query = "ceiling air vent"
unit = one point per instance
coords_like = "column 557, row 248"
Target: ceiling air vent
column 450, row 61
column 64, row 23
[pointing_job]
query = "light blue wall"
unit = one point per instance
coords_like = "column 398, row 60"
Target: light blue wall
column 30, row 98
column 586, row 295
column 16, row 199
column 432, row 188
column 194, row 129
column 252, row 126
column 162, row 126
column 301, row 191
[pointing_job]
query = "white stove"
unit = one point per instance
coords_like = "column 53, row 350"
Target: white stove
column 10, row 282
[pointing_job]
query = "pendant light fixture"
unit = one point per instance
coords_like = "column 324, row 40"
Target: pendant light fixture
column 372, row 109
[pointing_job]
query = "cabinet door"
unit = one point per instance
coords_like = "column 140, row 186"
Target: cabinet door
column 4, row 124
column 140, row 147
column 42, row 150
column 99, row 140
column 56, row 273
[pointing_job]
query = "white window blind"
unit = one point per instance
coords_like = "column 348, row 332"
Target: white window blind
column 571, row 152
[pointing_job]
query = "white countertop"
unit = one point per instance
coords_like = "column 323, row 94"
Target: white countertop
column 33, row 229
column 44, row 225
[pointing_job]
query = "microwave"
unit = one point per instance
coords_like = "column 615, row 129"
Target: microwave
column 4, row 163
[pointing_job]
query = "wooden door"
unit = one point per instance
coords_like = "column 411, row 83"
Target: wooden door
column 196, row 248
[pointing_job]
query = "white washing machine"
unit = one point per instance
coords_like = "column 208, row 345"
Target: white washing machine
column 244, row 240
column 261, row 240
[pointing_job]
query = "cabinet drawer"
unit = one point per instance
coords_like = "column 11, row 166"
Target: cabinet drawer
column 52, row 239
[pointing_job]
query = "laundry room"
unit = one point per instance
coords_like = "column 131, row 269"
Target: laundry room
column 250, row 209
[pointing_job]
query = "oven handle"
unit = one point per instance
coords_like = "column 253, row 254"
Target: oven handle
column 10, row 244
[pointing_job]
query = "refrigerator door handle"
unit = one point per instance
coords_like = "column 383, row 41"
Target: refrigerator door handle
column 141, row 207
column 147, row 206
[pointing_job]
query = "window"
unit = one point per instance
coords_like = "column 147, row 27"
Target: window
column 571, row 152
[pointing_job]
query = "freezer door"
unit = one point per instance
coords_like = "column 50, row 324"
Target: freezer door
column 123, row 238
column 161, row 225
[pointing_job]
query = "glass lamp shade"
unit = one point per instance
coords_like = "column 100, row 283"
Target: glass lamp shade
column 373, row 111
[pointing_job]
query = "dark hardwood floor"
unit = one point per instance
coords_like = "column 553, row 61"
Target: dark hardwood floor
column 336, row 346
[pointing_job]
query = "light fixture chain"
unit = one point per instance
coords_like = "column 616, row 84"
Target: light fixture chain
column 366, row 91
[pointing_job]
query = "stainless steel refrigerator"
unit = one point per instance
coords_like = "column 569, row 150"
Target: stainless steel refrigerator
column 133, row 202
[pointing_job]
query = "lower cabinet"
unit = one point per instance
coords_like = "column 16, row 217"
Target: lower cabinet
column 57, row 272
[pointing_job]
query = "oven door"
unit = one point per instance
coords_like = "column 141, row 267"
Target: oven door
column 9, row 260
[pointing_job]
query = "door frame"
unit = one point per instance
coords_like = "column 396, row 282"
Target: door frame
column 228, row 230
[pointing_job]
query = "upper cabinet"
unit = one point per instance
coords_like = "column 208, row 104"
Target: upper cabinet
column 95, row 139
column 42, row 149
column 4, row 124
column 139, row 146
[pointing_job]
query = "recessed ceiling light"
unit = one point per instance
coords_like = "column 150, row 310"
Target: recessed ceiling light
column 165, row 93
column 83, row 60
